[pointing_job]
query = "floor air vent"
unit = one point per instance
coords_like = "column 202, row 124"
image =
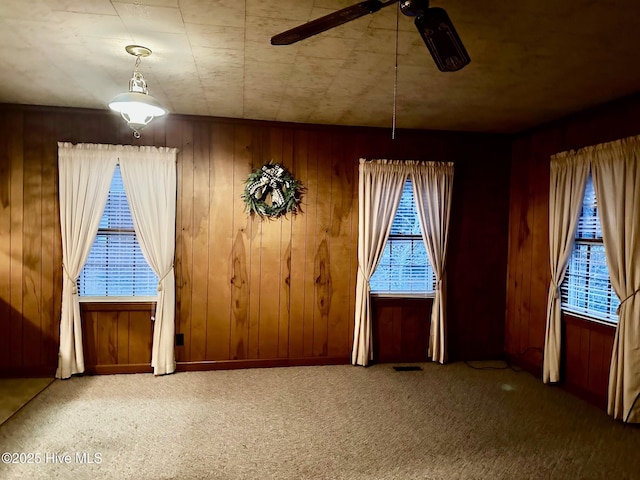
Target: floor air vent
column 409, row 368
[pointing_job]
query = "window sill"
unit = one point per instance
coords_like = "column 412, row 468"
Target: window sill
column 587, row 318
column 117, row 299
column 403, row 295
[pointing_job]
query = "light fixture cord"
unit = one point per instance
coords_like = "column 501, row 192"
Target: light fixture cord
column 395, row 78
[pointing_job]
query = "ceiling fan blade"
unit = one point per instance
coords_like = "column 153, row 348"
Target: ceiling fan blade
column 327, row 22
column 442, row 40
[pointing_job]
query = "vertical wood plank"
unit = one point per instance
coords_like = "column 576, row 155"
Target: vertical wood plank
column 284, row 316
column 200, row 241
column 383, row 333
column 310, row 207
column 513, row 284
column 270, row 260
column 240, row 259
column 174, row 140
column 355, row 155
column 5, row 235
column 607, row 350
column 159, row 130
column 123, row 333
column 90, row 337
column 540, row 277
column 255, row 255
column 297, row 252
column 32, row 243
column 107, row 341
column 415, row 339
column 522, row 260
column 322, row 264
column 598, row 367
column 140, row 336
column 585, row 365
column 220, row 243
column 397, row 326
column 323, row 297
column 186, row 239
column 269, row 301
column 573, row 362
column 16, row 201
column 340, row 248
column 526, row 242
column 51, row 255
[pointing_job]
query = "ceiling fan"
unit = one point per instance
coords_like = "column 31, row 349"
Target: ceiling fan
column 433, row 24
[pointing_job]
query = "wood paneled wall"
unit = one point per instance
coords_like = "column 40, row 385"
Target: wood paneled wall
column 30, row 251
column 586, row 358
column 528, row 265
column 249, row 292
column 242, row 280
column 117, row 338
column 400, row 329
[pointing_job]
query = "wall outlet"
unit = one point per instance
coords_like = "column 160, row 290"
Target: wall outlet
column 179, row 339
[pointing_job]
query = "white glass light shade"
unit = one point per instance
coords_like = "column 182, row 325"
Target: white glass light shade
column 137, row 109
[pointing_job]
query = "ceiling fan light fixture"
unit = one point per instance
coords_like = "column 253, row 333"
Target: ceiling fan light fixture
column 137, row 109
column 136, row 106
column 433, row 24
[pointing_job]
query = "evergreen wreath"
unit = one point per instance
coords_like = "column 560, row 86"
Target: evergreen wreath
column 271, row 191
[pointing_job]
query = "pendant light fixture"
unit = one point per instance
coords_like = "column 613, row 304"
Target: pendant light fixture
column 136, row 106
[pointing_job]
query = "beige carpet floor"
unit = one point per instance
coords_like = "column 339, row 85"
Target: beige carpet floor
column 333, row 422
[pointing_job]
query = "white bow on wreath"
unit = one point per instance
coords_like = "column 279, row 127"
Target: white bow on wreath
column 271, row 180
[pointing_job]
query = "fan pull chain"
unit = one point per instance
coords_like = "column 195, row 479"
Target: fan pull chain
column 395, row 78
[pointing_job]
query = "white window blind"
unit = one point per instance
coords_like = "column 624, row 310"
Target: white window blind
column 404, row 267
column 586, row 288
column 116, row 266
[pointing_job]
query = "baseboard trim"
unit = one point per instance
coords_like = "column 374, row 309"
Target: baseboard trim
column 118, row 369
column 200, row 366
column 260, row 363
column 206, row 365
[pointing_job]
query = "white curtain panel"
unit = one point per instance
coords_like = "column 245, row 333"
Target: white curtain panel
column 85, row 173
column 569, row 172
column 432, row 191
column 380, row 186
column 149, row 178
column 616, row 178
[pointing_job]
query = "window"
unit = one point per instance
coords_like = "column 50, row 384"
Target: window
column 116, row 266
column 404, row 267
column 586, row 288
